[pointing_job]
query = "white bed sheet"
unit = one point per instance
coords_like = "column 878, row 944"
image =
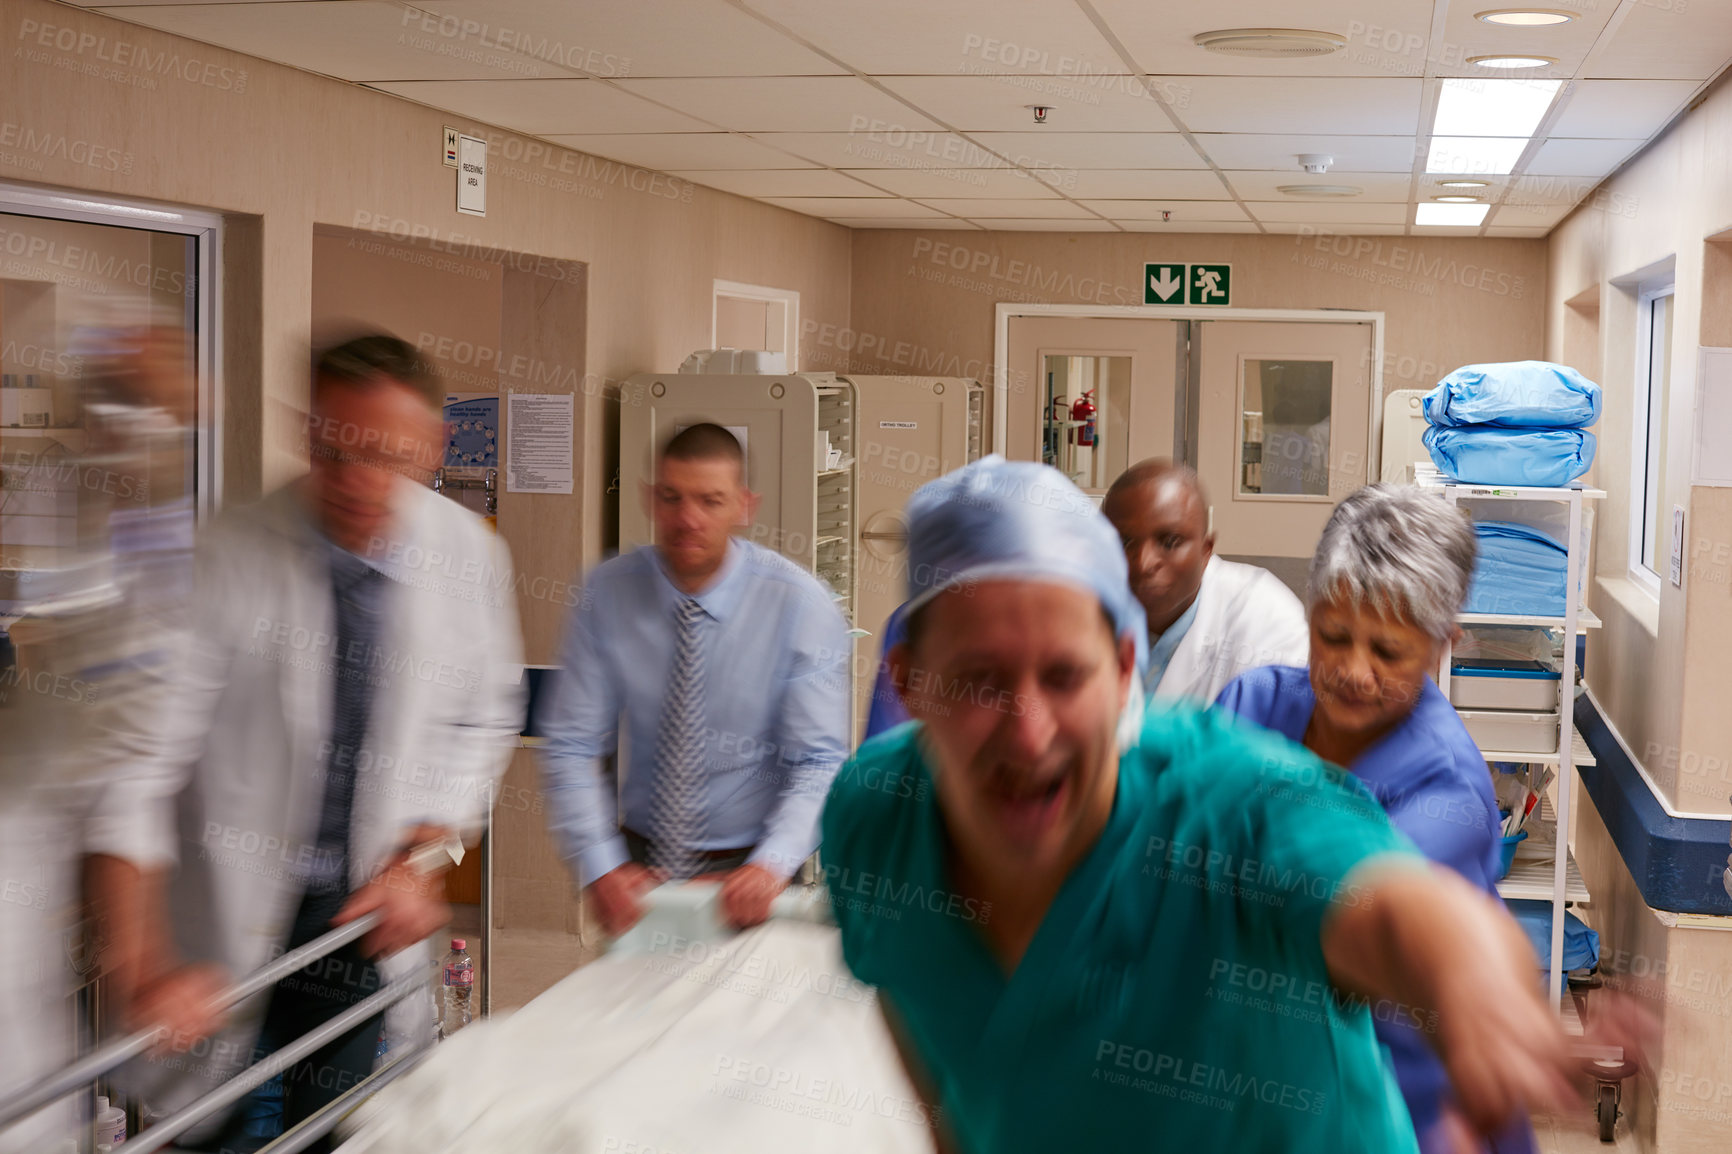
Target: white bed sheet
column 684, row 1039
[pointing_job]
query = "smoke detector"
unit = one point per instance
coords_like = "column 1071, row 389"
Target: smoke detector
column 1319, row 191
column 1279, row 43
column 1316, row 163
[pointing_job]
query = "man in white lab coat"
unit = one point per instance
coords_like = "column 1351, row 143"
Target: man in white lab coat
column 1209, row 620
column 350, row 692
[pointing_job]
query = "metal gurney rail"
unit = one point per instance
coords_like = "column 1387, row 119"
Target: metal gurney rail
column 81, row 1073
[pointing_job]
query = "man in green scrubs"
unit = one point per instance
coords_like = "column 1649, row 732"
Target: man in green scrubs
column 1094, row 933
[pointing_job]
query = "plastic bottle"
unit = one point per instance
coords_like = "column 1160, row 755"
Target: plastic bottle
column 110, row 1123
column 459, row 983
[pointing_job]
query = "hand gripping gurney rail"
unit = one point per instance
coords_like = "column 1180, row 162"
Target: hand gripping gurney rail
column 684, row 1036
column 79, row 1075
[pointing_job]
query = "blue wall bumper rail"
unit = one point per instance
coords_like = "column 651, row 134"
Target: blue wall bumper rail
column 1679, row 863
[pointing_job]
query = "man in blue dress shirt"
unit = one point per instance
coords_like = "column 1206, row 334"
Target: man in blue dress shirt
column 726, row 666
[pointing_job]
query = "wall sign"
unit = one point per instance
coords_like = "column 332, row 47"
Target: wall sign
column 472, row 430
column 1182, row 283
column 472, row 176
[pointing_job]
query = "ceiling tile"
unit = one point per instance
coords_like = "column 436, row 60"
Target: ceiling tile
column 1144, row 226
column 923, row 225
column 1605, row 109
column 1280, row 152
column 1045, row 150
column 996, row 104
column 1183, row 210
column 1143, row 184
column 1571, row 157
column 1519, row 213
column 976, row 209
column 958, row 182
column 1289, row 104
column 782, row 182
column 1307, row 228
column 1038, row 225
column 692, row 38
column 1667, row 40
column 1034, row 38
column 683, row 150
column 881, row 208
column 544, row 106
column 883, row 148
column 1531, row 189
column 784, row 103
column 348, row 39
column 1334, row 215
column 1388, row 39
column 1379, row 187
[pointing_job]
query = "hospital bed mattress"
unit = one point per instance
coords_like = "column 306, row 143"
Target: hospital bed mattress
column 682, row 1038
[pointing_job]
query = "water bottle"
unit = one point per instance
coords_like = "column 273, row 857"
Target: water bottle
column 459, row 982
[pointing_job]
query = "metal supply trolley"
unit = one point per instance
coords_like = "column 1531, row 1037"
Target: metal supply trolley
column 1544, row 868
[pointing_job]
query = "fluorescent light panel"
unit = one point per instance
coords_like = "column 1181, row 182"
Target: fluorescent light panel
column 1462, row 215
column 1474, row 155
column 1473, row 107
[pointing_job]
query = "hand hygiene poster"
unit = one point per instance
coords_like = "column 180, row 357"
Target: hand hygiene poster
column 538, row 448
column 471, row 431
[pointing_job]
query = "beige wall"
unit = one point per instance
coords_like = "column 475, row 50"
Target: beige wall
column 924, row 300
column 288, row 151
column 1658, row 667
column 291, row 150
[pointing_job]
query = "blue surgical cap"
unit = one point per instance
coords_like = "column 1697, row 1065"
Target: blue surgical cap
column 999, row 519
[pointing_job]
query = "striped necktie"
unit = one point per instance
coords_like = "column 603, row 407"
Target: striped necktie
column 676, row 799
column 358, row 589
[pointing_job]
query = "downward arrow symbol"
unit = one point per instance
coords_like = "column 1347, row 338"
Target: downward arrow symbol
column 1165, row 285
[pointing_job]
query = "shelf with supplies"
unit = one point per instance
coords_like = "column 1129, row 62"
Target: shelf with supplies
column 1580, row 754
column 1585, row 619
column 1427, row 476
column 1532, row 873
column 1542, row 868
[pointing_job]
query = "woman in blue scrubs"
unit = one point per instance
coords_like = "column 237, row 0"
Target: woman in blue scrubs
column 1391, row 572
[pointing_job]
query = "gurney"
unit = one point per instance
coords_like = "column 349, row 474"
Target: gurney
column 684, row 1036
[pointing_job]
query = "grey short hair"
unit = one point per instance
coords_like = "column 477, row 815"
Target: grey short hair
column 1401, row 550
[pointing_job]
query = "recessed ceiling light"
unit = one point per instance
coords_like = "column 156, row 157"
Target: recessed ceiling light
column 1275, row 42
column 1457, row 215
column 1456, row 199
column 1525, row 17
column 1512, row 61
column 1319, row 191
column 1464, row 184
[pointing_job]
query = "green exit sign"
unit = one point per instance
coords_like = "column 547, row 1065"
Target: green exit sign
column 1183, row 283
column 1209, row 284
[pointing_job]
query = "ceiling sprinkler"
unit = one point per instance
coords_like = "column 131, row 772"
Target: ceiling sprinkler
column 1040, row 111
column 1315, row 162
column 1166, row 215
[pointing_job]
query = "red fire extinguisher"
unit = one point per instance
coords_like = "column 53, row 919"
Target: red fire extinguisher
column 1084, row 411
